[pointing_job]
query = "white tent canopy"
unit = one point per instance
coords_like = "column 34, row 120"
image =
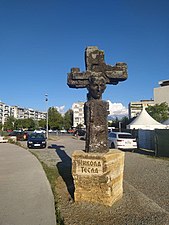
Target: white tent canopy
column 145, row 121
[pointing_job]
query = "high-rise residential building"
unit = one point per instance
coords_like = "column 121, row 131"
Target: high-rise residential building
column 4, row 112
column 14, row 111
column 161, row 93
column 136, row 107
column 19, row 113
column 1, row 112
column 78, row 114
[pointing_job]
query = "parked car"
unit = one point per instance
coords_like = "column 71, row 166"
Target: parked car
column 80, row 134
column 121, row 140
column 71, row 131
column 36, row 140
column 20, row 135
column 40, row 131
column 63, row 131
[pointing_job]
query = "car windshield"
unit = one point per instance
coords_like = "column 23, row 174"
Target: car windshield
column 36, row 135
column 15, row 132
column 126, row 136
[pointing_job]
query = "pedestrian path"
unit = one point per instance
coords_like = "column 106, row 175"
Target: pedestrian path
column 25, row 194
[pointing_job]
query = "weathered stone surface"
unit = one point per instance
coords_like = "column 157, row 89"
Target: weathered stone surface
column 97, row 75
column 98, row 177
column 94, row 60
column 96, row 112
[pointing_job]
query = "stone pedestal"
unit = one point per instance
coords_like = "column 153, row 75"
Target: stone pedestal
column 98, row 177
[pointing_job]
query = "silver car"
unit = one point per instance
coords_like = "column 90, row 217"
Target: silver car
column 121, row 140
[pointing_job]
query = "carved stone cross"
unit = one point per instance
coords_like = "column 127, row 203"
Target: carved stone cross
column 97, row 75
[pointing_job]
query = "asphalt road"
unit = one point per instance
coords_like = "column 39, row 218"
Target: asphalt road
column 146, row 188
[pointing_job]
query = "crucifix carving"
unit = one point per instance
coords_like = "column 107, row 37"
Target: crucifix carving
column 95, row 78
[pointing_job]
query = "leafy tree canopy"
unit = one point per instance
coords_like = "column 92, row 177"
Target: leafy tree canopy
column 42, row 123
column 25, row 123
column 159, row 112
column 10, row 123
column 55, row 119
column 123, row 122
column 68, row 119
column 79, row 126
column 14, row 124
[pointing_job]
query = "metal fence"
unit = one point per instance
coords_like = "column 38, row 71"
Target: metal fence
column 162, row 142
column 156, row 140
column 146, row 139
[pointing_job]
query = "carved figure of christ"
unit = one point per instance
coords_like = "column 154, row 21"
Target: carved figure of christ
column 97, row 75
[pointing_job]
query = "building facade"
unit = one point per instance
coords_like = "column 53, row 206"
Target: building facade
column 78, row 114
column 4, row 112
column 136, row 107
column 161, row 93
column 19, row 113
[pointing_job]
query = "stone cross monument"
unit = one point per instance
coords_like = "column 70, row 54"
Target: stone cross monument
column 97, row 172
column 97, row 75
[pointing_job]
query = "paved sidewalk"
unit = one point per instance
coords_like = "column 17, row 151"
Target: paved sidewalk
column 25, row 194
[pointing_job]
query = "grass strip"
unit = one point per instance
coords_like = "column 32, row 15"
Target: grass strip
column 52, row 175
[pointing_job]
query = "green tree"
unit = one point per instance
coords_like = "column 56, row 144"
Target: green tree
column 28, row 123
column 115, row 122
column 79, row 126
column 19, row 124
column 159, row 112
column 42, row 123
column 109, row 123
column 124, row 121
column 55, row 119
column 10, row 123
column 68, row 119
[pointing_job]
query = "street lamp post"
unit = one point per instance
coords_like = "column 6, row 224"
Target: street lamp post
column 119, row 126
column 46, row 99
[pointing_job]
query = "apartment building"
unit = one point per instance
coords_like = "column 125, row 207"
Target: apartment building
column 19, row 113
column 1, row 112
column 161, row 93
column 136, row 107
column 14, row 111
column 78, row 114
column 4, row 112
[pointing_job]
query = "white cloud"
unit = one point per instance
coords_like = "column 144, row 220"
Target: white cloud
column 60, row 109
column 117, row 109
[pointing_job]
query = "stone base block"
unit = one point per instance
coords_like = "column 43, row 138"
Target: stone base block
column 98, row 177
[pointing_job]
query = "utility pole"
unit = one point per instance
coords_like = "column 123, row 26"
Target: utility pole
column 119, row 126
column 46, row 99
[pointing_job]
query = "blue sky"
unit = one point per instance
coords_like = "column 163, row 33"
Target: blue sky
column 41, row 40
